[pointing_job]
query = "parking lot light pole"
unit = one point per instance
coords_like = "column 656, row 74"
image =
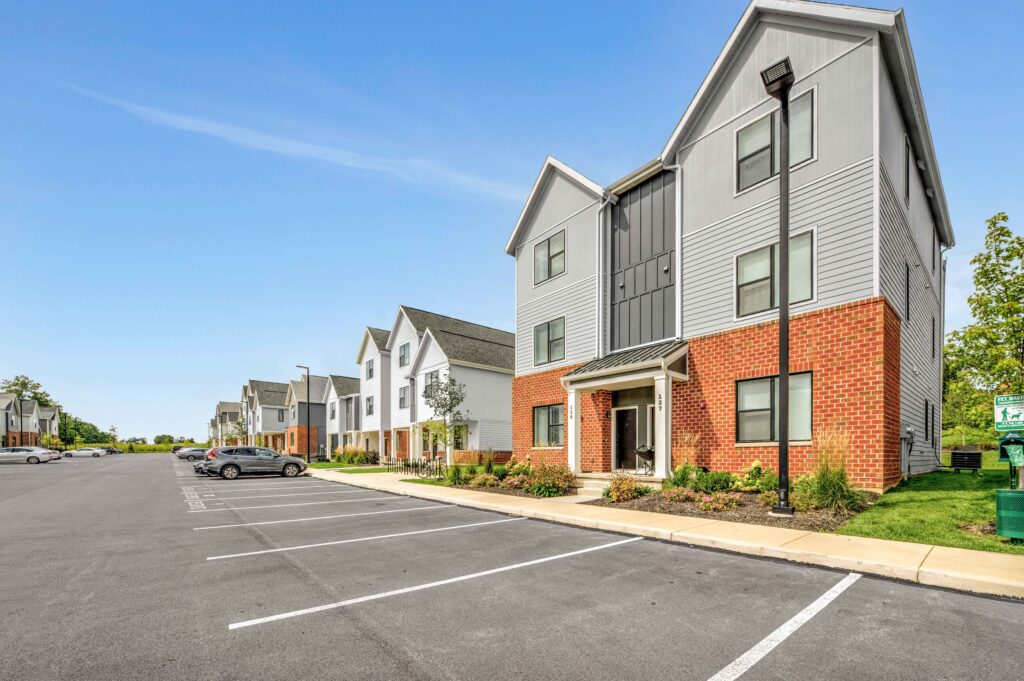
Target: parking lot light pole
column 778, row 80
column 301, row 366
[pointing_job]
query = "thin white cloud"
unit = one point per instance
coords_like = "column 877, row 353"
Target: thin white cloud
column 411, row 170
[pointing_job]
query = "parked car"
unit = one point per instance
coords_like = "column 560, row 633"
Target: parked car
column 25, row 455
column 192, row 453
column 86, row 451
column 175, row 448
column 112, row 450
column 230, row 462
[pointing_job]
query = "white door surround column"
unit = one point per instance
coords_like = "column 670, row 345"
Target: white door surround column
column 663, row 426
column 572, row 422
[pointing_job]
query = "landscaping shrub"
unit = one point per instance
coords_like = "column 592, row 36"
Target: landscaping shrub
column 757, row 478
column 500, row 471
column 714, row 481
column 550, row 480
column 644, row 490
column 489, row 464
column 516, row 467
column 684, row 447
column 455, row 475
column 519, row 481
column 718, row 501
column 829, row 487
column 623, row 487
column 469, row 471
column 679, row 495
column 484, row 480
column 682, row 476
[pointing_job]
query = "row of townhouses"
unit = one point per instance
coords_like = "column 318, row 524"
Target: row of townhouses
column 384, row 409
column 646, row 310
column 24, row 423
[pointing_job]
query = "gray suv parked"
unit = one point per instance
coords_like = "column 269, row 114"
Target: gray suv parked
column 230, row 462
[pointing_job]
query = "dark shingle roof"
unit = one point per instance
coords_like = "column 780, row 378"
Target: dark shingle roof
column 230, row 407
column 344, row 385
column 317, row 389
column 423, row 320
column 646, row 354
column 379, row 337
column 475, row 351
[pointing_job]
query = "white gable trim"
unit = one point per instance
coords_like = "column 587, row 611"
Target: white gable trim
column 427, row 340
column 550, row 165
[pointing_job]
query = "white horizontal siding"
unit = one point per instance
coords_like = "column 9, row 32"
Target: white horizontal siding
column 492, row 434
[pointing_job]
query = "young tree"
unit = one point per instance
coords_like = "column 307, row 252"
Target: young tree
column 163, row 439
column 444, row 398
column 113, row 436
column 27, row 389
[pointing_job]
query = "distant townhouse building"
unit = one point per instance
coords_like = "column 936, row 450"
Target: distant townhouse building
column 49, row 424
column 646, row 311
column 298, row 402
column 427, row 347
column 269, row 414
column 8, row 423
column 225, row 427
column 342, row 411
column 23, row 419
column 374, row 360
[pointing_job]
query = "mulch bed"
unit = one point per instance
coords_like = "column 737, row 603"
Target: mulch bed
column 509, row 492
column 749, row 511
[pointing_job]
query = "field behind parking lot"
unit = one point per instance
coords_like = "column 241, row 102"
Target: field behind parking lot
column 130, row 567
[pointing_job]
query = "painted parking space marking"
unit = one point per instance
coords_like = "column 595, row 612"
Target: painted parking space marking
column 214, row 490
column 295, row 494
column 304, row 503
column 325, row 517
column 362, row 539
column 428, row 585
column 744, row 662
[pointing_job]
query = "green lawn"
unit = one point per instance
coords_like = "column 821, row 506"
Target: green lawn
column 426, row 481
column 933, row 508
column 370, row 469
column 331, row 464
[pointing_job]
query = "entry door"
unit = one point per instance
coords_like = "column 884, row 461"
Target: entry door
column 625, row 439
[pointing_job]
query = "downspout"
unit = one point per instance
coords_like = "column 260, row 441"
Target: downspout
column 608, row 198
column 678, row 170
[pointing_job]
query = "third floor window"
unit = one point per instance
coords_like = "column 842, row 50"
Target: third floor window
column 757, row 145
column 549, row 257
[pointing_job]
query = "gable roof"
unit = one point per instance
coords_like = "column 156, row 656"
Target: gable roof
column 344, row 385
column 6, row 400
column 469, row 351
column 230, row 407
column 379, row 338
column 550, row 165
column 268, row 394
column 318, row 386
column 423, row 320
column 895, row 44
column 48, row 412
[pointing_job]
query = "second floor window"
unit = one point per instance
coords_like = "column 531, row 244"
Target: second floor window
column 403, row 355
column 549, row 341
column 280, row 414
column 334, row 410
column 293, row 412
column 369, row 368
column 403, row 397
column 757, row 145
column 757, row 280
column 549, row 257
column 757, row 400
column 369, row 406
column 433, row 378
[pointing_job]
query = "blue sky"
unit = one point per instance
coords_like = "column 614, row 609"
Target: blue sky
column 195, row 194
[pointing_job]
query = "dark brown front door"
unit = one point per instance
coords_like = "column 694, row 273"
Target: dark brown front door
column 625, row 438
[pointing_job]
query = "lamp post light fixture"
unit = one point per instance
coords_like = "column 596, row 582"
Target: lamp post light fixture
column 778, row 80
column 302, row 366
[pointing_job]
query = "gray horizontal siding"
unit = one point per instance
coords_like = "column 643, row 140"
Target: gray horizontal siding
column 839, row 208
column 577, row 303
column 920, row 373
column 492, row 434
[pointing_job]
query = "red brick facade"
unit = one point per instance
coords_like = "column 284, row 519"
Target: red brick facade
column 295, row 440
column 853, row 351
column 22, row 439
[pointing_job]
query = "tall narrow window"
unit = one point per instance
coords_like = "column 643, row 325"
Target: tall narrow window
column 935, row 249
column 757, row 404
column 549, row 341
column 547, row 425
column 906, row 170
column 549, row 257
column 403, row 355
column 906, row 292
column 369, row 406
column 927, row 421
column 757, row 285
column 334, row 410
column 757, row 144
column 369, row 368
column 934, row 338
column 403, row 397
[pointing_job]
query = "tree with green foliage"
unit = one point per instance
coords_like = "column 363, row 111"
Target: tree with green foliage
column 986, row 357
column 27, row 389
column 444, row 398
column 163, row 439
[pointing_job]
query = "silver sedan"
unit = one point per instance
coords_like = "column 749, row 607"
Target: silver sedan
column 86, row 451
column 25, row 455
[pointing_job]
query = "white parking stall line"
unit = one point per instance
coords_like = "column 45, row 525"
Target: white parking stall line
column 361, row 539
column 304, row 503
column 744, row 662
column 296, row 494
column 216, row 490
column 428, row 585
column 325, row 517
column 252, row 484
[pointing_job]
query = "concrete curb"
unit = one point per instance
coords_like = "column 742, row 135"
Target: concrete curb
column 996, row 574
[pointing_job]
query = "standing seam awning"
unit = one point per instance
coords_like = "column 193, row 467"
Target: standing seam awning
column 654, row 355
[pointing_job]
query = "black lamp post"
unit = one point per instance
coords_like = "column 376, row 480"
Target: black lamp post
column 300, row 366
column 778, row 80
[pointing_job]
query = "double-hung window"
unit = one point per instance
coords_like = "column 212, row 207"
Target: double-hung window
column 403, row 355
column 433, row 378
column 280, row 414
column 369, row 406
column 334, row 410
column 906, row 291
column 757, row 276
column 549, row 257
column 547, row 425
column 403, row 397
column 369, row 368
column 757, row 145
column 549, row 341
column 757, row 402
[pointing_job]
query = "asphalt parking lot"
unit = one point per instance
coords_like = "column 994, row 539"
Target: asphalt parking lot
column 129, row 567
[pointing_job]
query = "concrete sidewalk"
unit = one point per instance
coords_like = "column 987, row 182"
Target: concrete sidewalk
column 978, row 571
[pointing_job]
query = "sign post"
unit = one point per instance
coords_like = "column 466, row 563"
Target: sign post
column 1009, row 412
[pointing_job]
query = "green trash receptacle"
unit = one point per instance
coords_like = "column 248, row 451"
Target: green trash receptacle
column 1010, row 513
